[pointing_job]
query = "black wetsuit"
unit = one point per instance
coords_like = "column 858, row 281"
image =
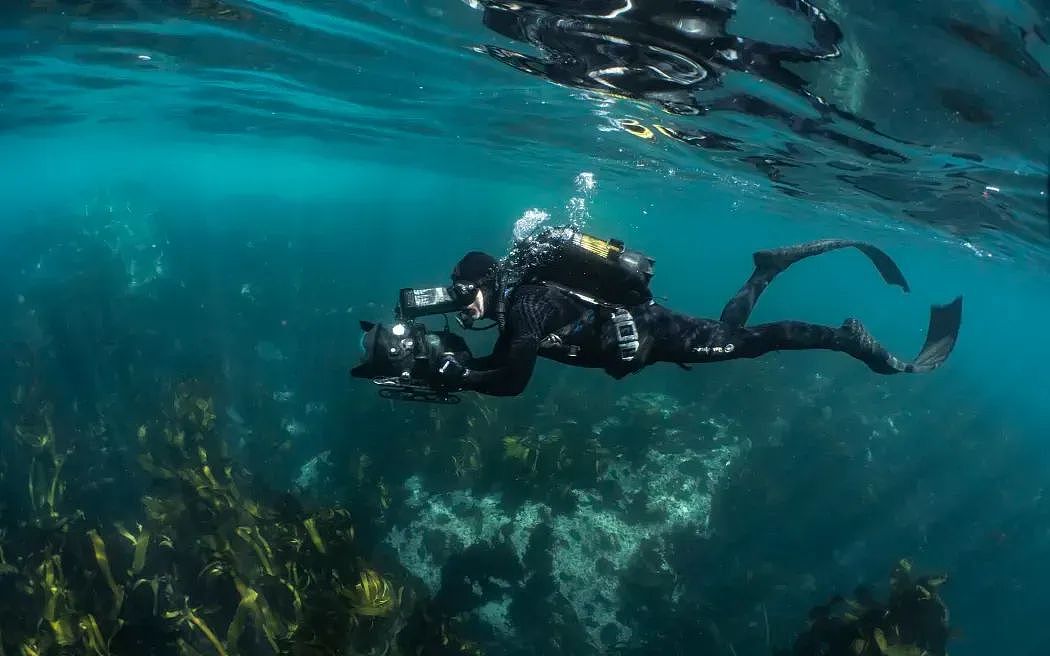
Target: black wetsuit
column 548, row 321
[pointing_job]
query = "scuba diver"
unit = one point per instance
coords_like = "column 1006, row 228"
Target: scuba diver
column 583, row 301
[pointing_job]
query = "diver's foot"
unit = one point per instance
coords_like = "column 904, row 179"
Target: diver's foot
column 941, row 336
column 778, row 259
column 773, row 260
column 862, row 345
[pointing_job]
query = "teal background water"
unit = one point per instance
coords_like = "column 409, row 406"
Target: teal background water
column 380, row 147
column 379, row 227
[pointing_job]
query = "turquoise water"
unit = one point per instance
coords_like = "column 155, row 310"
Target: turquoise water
column 222, row 190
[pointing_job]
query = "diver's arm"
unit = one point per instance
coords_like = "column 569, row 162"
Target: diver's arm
column 509, row 379
column 516, row 351
column 495, row 359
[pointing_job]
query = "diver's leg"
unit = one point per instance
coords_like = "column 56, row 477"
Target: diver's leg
column 738, row 309
column 769, row 263
column 685, row 340
column 703, row 341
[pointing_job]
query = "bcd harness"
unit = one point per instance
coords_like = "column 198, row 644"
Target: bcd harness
column 622, row 321
column 603, row 274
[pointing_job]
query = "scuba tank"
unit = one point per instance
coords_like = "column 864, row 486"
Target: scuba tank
column 603, row 269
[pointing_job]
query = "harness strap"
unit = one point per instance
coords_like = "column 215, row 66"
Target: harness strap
column 623, row 322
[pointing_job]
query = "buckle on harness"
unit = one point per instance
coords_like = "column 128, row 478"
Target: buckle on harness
column 554, row 341
column 626, row 334
column 550, row 341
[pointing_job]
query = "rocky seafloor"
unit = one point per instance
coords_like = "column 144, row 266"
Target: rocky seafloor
column 503, row 557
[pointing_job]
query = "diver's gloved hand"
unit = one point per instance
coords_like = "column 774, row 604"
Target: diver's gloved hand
column 450, row 372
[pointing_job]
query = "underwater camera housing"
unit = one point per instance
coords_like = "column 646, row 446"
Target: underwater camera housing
column 400, row 359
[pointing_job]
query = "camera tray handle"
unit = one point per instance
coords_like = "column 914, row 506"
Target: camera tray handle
column 397, row 389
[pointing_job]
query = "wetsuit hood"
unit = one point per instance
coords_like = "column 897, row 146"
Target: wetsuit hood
column 474, row 267
column 480, row 269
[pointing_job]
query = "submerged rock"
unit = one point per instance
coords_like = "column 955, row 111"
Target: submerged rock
column 314, row 472
column 603, row 546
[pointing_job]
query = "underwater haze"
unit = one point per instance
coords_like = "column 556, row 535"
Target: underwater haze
column 203, row 199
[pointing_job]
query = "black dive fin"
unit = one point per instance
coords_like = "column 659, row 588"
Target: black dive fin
column 941, row 336
column 945, row 321
column 782, row 258
column 888, row 269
